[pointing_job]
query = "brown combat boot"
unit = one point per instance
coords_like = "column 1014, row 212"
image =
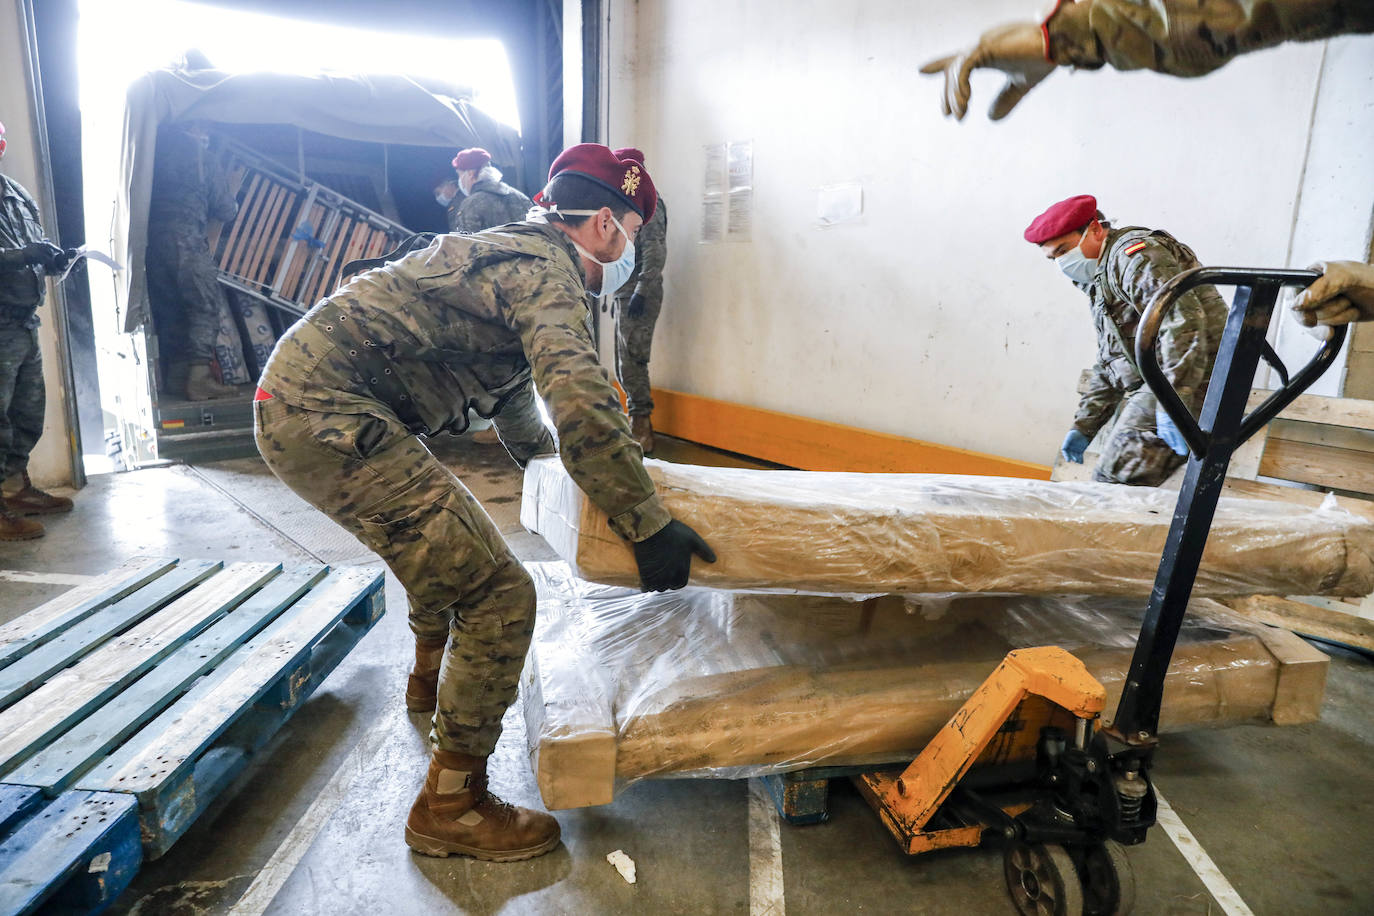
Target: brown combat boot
column 643, row 431
column 456, row 815
column 422, row 688
column 14, row 528
column 201, row 385
column 29, row 500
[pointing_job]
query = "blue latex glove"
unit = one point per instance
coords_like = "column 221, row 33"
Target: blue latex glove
column 1169, row 432
column 1073, row 447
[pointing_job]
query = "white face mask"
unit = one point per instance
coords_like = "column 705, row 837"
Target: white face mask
column 1077, row 266
column 613, row 273
column 443, row 199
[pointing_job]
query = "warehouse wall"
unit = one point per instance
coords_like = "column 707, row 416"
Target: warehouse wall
column 928, row 316
column 51, row 462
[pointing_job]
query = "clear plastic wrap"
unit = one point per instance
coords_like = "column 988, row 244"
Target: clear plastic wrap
column 924, row 533
column 621, row 685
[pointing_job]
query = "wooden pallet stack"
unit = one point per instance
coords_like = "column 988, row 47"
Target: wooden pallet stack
column 129, row 704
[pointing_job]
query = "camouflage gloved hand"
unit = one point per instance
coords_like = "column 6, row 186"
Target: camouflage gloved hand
column 1342, row 294
column 1018, row 50
column 665, row 559
column 635, row 307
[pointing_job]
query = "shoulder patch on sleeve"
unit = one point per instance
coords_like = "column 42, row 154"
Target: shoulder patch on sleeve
column 1134, row 248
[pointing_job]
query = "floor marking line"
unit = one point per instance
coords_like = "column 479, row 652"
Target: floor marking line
column 298, row 841
column 211, row 482
column 23, row 575
column 765, row 853
column 1197, row 859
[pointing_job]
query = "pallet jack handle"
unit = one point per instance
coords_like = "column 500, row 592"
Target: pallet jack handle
column 1211, row 439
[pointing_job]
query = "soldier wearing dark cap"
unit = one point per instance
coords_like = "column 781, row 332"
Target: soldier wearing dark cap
column 26, row 258
column 1120, row 271
column 637, row 306
column 487, row 200
column 404, row 351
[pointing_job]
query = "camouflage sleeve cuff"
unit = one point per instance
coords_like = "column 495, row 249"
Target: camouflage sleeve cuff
column 1069, row 37
column 642, row 521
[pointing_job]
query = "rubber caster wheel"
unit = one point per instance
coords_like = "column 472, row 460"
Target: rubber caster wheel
column 1108, row 881
column 1042, row 880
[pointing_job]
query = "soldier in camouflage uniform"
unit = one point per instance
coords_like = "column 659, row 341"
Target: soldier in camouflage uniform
column 189, row 189
column 26, row 257
column 1178, row 37
column 402, row 352
column 487, row 200
column 1121, row 270
column 637, row 305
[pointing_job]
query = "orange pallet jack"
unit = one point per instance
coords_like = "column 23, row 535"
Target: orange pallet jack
column 1027, row 762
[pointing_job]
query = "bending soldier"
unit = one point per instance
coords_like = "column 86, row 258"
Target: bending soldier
column 404, row 351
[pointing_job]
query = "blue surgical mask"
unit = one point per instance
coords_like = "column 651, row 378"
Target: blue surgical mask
column 613, row 273
column 1077, row 266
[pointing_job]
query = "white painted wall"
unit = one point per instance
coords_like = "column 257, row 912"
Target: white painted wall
column 930, row 317
column 50, row 464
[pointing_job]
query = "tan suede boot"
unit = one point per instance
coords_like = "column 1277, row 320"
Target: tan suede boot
column 29, row 500
column 14, row 528
column 643, row 431
column 456, row 815
column 422, row 688
column 201, row 385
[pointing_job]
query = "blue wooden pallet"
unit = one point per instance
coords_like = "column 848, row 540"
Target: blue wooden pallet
column 156, row 685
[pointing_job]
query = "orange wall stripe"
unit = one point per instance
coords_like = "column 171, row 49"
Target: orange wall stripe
column 815, row 445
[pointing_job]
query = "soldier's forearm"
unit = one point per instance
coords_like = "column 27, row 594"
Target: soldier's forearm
column 1186, row 38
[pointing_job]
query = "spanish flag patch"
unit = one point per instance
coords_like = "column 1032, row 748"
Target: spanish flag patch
column 1134, row 248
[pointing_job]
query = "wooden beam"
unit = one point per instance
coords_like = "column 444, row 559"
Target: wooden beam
column 1309, row 408
column 1307, row 619
column 817, row 445
column 1305, row 462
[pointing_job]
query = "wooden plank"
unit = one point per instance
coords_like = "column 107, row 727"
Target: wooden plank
column 58, row 765
column 16, row 804
column 1309, row 620
column 1338, row 468
column 324, row 277
column 180, row 761
column 36, row 627
column 1257, row 489
column 818, row 445
column 29, row 724
column 1355, row 413
column 268, row 236
column 28, row 671
column 257, row 231
column 77, row 855
column 237, row 236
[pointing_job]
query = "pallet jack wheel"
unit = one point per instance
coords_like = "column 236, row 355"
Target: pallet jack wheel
column 1108, row 881
column 1042, row 880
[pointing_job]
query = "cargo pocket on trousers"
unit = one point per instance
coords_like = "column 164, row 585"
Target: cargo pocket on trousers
column 430, row 537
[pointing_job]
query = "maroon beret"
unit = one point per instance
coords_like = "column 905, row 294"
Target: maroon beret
column 469, row 159
column 1066, row 216
column 625, row 178
column 629, row 152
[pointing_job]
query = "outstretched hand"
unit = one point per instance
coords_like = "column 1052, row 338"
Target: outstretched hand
column 1018, row 50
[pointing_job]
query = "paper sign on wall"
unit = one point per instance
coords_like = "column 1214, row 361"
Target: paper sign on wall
column 727, row 198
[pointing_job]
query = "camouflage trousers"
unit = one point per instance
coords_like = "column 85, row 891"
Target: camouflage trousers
column 634, row 335
column 369, row 474
column 190, row 304
column 22, row 396
column 1134, row 454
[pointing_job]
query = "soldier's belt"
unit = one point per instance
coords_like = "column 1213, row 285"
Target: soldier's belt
column 371, row 364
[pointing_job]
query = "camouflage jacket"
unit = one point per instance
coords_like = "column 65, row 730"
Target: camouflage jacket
column 1134, row 264
column 467, row 323
column 190, row 187
column 490, row 204
column 1188, row 37
column 651, row 252
column 21, row 290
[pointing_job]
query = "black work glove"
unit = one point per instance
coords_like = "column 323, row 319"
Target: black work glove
column 665, row 559
column 45, row 254
column 636, row 306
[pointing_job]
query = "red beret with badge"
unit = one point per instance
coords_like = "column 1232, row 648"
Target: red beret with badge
column 1066, row 216
column 473, row 158
column 629, row 152
column 624, row 177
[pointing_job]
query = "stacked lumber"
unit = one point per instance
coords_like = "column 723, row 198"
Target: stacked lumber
column 620, row 685
column 924, row 533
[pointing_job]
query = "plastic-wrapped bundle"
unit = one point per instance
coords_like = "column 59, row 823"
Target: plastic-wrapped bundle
column 923, row 533
column 621, row 685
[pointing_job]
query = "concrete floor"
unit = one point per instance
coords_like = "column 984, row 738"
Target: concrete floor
column 1285, row 814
